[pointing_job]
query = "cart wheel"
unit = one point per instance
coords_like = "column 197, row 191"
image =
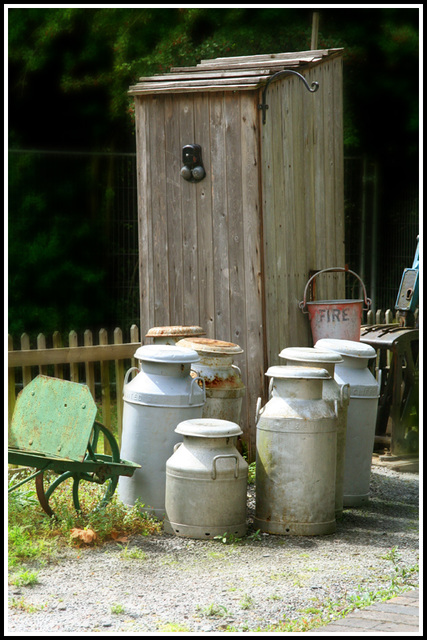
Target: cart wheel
column 110, row 487
column 43, row 496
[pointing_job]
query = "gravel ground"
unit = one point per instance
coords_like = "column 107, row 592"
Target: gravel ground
column 208, row 586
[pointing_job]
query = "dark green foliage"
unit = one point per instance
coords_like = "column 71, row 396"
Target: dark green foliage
column 57, row 270
column 69, row 74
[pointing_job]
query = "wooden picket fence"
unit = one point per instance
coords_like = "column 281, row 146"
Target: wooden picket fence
column 101, row 366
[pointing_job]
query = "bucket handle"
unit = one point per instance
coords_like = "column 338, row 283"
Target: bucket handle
column 303, row 304
column 128, row 372
column 228, row 455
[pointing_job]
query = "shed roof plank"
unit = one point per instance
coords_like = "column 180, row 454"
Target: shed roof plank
column 183, row 88
column 243, row 66
column 297, row 55
column 198, row 83
column 205, row 74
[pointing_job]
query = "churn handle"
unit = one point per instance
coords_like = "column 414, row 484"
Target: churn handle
column 344, row 393
column 302, row 304
column 228, row 455
column 128, row 372
column 258, row 410
column 234, row 366
column 193, row 382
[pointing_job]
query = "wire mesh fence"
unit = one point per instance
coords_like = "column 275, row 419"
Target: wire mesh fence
column 100, row 189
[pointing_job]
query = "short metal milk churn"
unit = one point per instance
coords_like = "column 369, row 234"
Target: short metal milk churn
column 296, row 454
column 155, row 401
column 336, row 393
column 206, row 481
column 171, row 335
column 223, row 381
column 361, row 415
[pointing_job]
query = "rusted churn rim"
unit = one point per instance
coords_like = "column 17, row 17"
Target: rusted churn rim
column 176, row 330
column 210, row 346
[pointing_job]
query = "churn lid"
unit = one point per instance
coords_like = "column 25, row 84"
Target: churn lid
column 310, row 354
column 208, row 346
column 178, row 330
column 166, row 353
column 208, row 428
column 346, row 347
column 298, row 373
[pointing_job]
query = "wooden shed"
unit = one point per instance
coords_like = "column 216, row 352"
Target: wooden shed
column 233, row 251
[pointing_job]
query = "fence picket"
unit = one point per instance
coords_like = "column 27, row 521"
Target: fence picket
column 134, row 337
column 89, row 366
column 73, row 341
column 105, row 390
column 41, row 345
column 26, row 371
column 389, row 316
column 119, row 369
column 58, row 369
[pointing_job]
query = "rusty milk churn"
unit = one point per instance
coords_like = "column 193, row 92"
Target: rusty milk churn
column 206, row 481
column 296, row 455
column 361, row 415
column 155, row 401
column 223, row 381
column 171, row 335
column 338, row 394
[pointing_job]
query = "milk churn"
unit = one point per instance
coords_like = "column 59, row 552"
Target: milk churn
column 296, row 451
column 171, row 335
column 155, row 401
column 338, row 394
column 206, row 481
column 361, row 415
column 223, row 381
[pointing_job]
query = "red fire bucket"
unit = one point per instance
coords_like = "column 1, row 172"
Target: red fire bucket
column 339, row 319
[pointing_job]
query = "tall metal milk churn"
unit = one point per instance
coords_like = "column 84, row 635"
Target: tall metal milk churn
column 206, row 481
column 155, row 401
column 361, row 415
column 338, row 394
column 223, row 381
column 171, row 335
column 296, row 451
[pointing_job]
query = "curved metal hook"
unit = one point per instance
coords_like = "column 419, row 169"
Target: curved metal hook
column 314, row 87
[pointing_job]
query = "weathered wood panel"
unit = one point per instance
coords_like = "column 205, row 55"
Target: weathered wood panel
column 208, row 233
column 303, row 217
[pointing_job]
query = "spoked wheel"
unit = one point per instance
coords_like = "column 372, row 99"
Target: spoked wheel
column 101, row 476
column 44, row 496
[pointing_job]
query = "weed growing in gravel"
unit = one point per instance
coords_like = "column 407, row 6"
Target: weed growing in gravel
column 132, row 554
column 25, row 579
column 227, row 538
column 117, row 609
column 213, row 610
column 22, row 605
column 173, row 627
column 246, row 602
column 252, row 473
